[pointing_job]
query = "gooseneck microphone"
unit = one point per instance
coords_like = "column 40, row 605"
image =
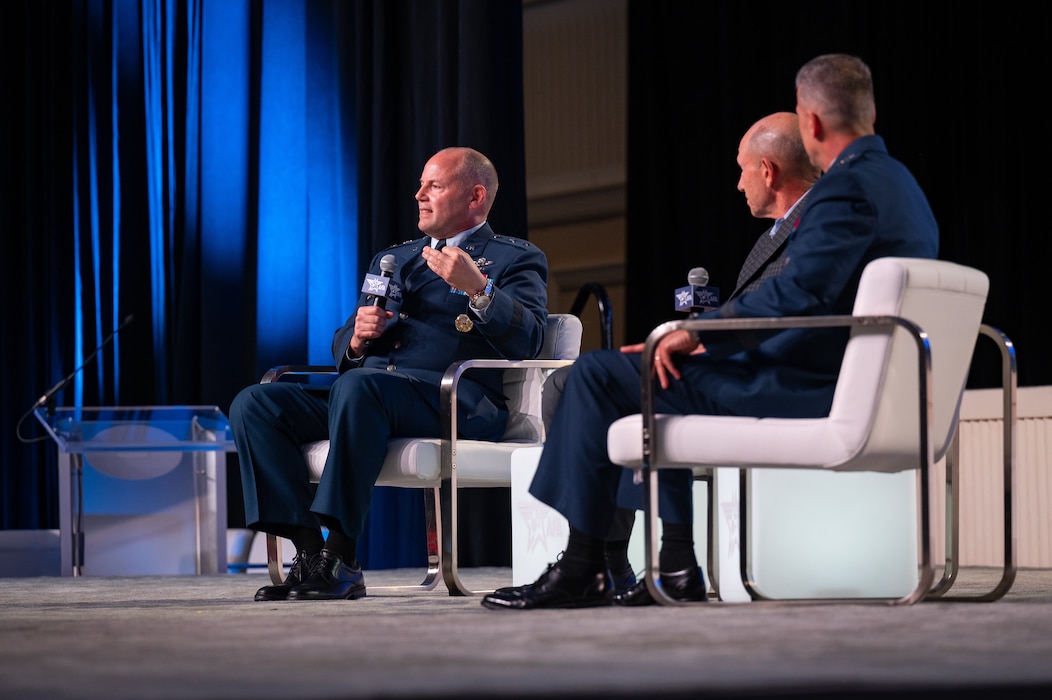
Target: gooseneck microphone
column 697, row 295
column 46, row 397
column 54, row 390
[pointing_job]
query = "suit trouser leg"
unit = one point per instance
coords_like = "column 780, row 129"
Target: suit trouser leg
column 366, row 408
column 269, row 423
column 575, row 475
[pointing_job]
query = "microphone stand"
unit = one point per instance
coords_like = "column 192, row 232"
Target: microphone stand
column 45, row 399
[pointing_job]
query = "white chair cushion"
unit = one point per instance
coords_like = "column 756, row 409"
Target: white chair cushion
column 417, row 462
column 731, row 441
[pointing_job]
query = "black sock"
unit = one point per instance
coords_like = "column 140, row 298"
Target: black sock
column 616, row 555
column 307, row 540
column 624, row 521
column 583, row 555
column 344, row 546
column 677, row 547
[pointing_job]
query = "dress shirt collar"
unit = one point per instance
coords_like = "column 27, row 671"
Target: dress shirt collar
column 459, row 238
column 783, row 217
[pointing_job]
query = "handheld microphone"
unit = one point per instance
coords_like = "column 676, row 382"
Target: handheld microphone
column 697, row 296
column 380, row 287
column 698, row 276
column 54, row 390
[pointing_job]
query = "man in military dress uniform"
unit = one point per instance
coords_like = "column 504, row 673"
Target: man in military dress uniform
column 459, row 292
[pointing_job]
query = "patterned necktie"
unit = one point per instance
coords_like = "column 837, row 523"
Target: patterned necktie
column 441, row 244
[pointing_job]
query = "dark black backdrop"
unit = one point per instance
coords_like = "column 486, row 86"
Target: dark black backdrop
column 957, row 101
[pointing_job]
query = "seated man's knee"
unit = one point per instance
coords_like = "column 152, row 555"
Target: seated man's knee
column 596, row 365
column 246, row 401
column 264, row 402
column 365, row 384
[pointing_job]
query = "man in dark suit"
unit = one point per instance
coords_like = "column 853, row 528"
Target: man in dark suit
column 460, row 292
column 865, row 206
column 776, row 176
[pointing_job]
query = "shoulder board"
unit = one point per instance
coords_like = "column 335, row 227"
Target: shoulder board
column 405, row 243
column 517, row 242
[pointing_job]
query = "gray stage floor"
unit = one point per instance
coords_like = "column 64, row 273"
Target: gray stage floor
column 204, row 637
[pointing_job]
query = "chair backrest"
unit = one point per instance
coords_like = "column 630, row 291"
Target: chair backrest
column 879, row 374
column 522, row 387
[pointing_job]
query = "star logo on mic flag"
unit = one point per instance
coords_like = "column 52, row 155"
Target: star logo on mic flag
column 382, row 286
column 684, row 297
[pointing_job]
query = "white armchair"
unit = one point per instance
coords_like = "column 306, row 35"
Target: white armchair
column 913, row 331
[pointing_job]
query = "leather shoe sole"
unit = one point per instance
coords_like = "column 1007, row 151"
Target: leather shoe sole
column 685, row 586
column 278, row 592
column 554, row 589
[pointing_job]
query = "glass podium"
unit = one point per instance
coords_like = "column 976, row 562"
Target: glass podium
column 160, row 444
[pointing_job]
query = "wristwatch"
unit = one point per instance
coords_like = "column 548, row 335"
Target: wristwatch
column 480, row 300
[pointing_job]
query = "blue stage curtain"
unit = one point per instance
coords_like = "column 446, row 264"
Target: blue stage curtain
column 222, row 171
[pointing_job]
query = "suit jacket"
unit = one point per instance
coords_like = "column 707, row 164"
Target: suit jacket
column 866, row 206
column 767, row 257
column 422, row 339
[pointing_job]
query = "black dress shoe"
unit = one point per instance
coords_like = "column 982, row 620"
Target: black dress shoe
column 687, row 585
column 298, row 573
column 554, row 589
column 330, row 579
